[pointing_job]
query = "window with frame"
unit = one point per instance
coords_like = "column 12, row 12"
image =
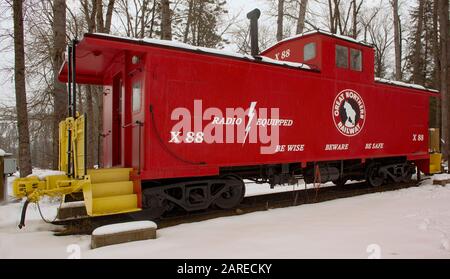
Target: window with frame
column 356, row 59
column 136, row 101
column 341, row 57
column 309, row 51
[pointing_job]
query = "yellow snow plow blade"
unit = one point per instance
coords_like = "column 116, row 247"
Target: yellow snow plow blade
column 105, row 191
column 34, row 188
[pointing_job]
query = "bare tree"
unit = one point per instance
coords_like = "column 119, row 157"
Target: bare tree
column 94, row 15
column 417, row 57
column 280, row 17
column 301, row 16
column 91, row 13
column 343, row 17
column 166, row 22
column 436, row 59
column 334, row 15
column 97, row 21
column 397, row 41
column 189, row 20
column 202, row 23
column 59, row 89
column 240, row 37
column 143, row 16
column 378, row 31
column 108, row 16
column 445, row 96
column 356, row 9
column 21, row 95
column 137, row 19
column 99, row 16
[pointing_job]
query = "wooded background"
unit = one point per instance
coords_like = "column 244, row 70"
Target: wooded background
column 410, row 39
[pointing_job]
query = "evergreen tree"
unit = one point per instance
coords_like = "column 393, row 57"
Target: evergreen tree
column 197, row 22
column 420, row 53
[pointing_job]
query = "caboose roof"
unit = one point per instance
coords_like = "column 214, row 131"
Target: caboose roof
column 404, row 84
column 95, row 52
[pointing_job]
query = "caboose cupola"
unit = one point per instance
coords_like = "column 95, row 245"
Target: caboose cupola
column 337, row 57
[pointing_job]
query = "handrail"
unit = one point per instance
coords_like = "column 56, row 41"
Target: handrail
column 100, row 136
column 139, row 124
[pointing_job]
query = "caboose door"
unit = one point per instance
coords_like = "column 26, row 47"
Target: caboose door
column 137, row 118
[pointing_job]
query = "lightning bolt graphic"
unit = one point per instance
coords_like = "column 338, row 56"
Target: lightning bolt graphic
column 251, row 115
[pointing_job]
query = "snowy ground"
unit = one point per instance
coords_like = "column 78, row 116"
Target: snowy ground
column 409, row 223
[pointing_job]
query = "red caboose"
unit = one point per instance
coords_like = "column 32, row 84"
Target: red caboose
column 194, row 122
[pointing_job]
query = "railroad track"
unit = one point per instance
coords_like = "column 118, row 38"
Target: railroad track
column 250, row 204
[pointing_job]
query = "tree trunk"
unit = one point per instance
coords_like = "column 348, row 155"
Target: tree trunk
column 143, row 13
column 397, row 41
column 436, row 46
column 301, row 16
column 59, row 89
column 21, row 95
column 109, row 13
column 331, row 15
column 445, row 96
column 356, row 9
column 337, row 16
column 189, row 21
column 100, row 23
column 152, row 22
column 166, row 22
column 436, row 59
column 417, row 59
column 89, row 15
column 280, row 20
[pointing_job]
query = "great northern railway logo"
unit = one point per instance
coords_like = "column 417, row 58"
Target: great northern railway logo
column 349, row 112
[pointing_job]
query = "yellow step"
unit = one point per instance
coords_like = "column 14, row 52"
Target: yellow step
column 109, row 189
column 109, row 175
column 114, row 205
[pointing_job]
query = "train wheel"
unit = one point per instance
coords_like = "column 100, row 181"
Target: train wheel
column 232, row 193
column 373, row 175
column 407, row 176
column 155, row 204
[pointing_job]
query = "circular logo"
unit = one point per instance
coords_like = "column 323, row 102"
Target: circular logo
column 349, row 112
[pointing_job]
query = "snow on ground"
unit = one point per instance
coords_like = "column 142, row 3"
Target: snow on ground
column 408, row 223
column 254, row 189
